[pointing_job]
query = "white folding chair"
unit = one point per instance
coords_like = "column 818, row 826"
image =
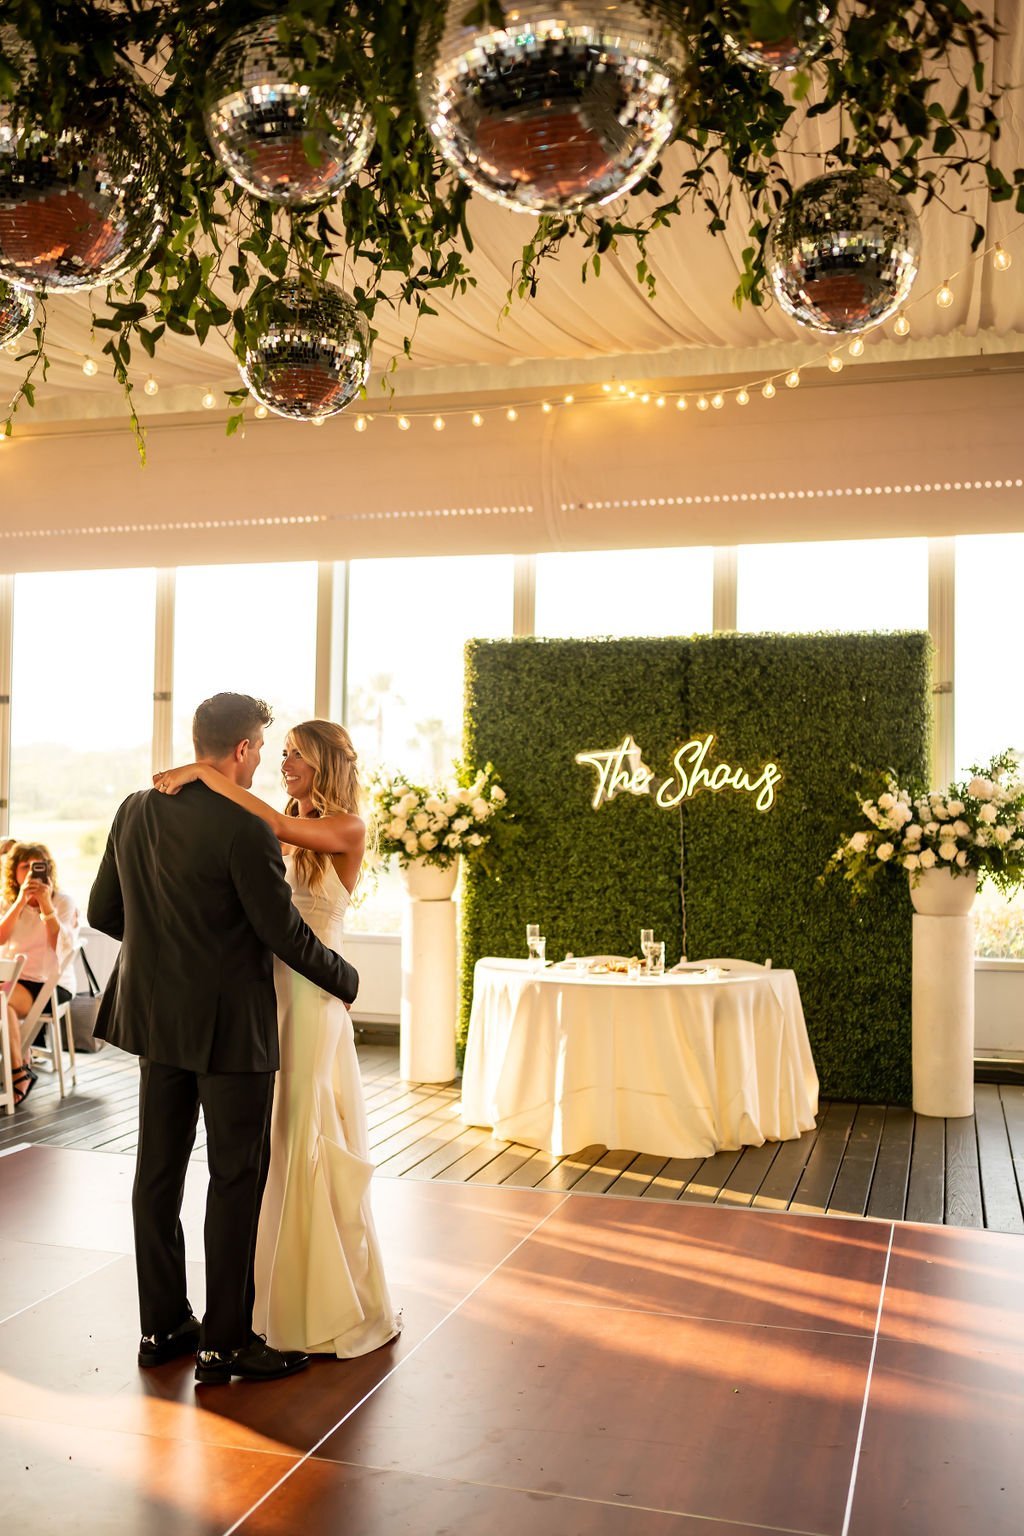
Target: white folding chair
column 738, row 965
column 47, row 1012
column 10, row 970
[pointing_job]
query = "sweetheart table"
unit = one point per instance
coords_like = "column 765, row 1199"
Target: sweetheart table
column 681, row 1065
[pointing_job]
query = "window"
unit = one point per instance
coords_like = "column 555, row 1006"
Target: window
column 989, row 708
column 408, row 621
column 625, row 592
column 862, row 585
column 246, row 629
column 82, row 710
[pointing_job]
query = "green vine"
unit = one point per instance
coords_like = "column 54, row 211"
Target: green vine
column 398, row 235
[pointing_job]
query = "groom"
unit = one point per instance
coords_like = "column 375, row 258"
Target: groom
column 195, row 889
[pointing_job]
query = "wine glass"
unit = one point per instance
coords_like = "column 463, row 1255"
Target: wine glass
column 646, row 940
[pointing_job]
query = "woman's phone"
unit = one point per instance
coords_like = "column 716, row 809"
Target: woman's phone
column 40, row 870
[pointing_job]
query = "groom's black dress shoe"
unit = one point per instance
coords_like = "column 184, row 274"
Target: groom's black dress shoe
column 158, row 1348
column 255, row 1361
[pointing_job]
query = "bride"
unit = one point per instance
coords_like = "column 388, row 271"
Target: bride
column 320, row 1283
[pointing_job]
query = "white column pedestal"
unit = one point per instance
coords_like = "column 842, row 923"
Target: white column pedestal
column 429, row 1001
column 943, row 1015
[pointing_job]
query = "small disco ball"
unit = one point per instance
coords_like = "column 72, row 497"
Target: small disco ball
column 564, row 107
column 313, row 355
column 796, row 38
column 17, row 311
column 81, row 208
column 843, row 254
column 278, row 139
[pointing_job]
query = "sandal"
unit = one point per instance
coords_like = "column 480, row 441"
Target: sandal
column 23, row 1080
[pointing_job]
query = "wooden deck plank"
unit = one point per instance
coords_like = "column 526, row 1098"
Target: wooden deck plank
column 530, row 1173
column 706, row 1185
column 600, row 1178
column 749, row 1174
column 999, row 1193
column 781, row 1180
column 502, row 1168
column 568, row 1171
column 819, row 1176
column 437, row 1164
column 1012, row 1099
column 888, row 1198
column 633, row 1181
column 926, row 1190
column 963, row 1176
column 673, row 1178
column 853, row 1182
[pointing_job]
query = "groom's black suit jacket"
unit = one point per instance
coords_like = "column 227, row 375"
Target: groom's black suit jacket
column 195, row 888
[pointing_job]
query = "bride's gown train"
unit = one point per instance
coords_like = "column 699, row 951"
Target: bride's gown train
column 320, row 1283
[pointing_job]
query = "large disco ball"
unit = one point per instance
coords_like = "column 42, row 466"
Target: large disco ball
column 781, row 40
column 17, row 311
column 83, row 207
column 843, row 254
column 312, row 356
column 275, row 137
column 565, row 107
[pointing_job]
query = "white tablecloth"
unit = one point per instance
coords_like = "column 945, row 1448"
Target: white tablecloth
column 678, row 1065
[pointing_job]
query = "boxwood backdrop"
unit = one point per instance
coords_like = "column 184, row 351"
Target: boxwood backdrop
column 817, row 705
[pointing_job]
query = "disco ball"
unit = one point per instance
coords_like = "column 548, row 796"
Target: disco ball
column 83, row 207
column 843, row 254
column 17, row 311
column 280, row 140
column 796, row 38
column 313, row 354
column 565, row 107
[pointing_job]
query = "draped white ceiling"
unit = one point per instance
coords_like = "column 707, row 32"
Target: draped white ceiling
column 575, row 334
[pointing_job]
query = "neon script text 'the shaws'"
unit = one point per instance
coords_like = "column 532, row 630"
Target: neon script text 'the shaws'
column 622, row 770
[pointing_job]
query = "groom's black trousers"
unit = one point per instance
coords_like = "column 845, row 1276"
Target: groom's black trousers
column 236, row 1109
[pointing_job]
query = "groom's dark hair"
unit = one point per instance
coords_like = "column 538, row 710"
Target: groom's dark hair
column 220, row 723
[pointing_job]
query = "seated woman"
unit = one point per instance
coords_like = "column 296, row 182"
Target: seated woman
column 40, row 922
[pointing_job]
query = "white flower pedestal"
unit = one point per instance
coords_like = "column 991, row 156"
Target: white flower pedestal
column 943, row 993
column 429, row 979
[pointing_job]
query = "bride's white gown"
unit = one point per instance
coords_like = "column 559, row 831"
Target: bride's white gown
column 320, row 1283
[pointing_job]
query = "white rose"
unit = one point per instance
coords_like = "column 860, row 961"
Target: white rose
column 474, row 839
column 947, row 849
column 886, row 802
column 433, row 805
column 465, row 797
column 956, row 807
column 428, row 840
column 407, row 802
column 450, row 807
column 481, row 810
column 885, row 851
column 858, row 842
column 913, row 833
column 411, row 842
column 497, row 793
column 988, row 813
column 911, row 861
column 931, row 828
column 939, row 811
column 421, row 821
column 980, row 789
column 983, row 837
column 397, row 828
column 927, row 858
column 1003, row 835
column 460, row 824
column 947, row 832
column 1018, row 842
column 870, row 811
column 452, row 840
column 900, row 814
column 961, row 858
column 961, row 829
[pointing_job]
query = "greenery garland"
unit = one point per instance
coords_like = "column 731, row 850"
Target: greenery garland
column 885, row 75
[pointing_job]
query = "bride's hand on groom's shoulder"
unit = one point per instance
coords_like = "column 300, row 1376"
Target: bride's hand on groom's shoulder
column 170, row 780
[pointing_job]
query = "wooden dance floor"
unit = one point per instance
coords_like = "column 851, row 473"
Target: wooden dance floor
column 571, row 1366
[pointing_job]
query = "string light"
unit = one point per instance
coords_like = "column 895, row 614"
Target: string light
column 660, row 401
column 569, row 399
column 546, row 407
column 717, row 400
column 151, row 386
column 902, row 326
column 90, row 368
column 360, row 423
column 478, row 420
column 318, row 421
column 682, row 404
column 512, row 414
column 438, row 423
column 261, row 413
column 703, row 403
column 835, row 363
column 645, row 399
column 769, row 390
column 606, row 389
column 856, row 347
column 622, row 389
column 793, row 379
column 404, row 423
column 742, row 397
column 1001, row 260
column 944, row 297
column 209, row 400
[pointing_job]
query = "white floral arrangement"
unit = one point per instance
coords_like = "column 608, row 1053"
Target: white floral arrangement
column 974, row 826
column 466, row 816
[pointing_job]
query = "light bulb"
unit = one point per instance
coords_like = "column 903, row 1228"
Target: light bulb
column 835, row 363
column 793, row 379
column 512, row 414
column 261, row 413
column 769, row 391
column 703, row 403
column 944, row 297
column 151, row 386
column 546, row 407
column 438, row 423
column 681, row 403
column 622, row 389
column 742, row 397
column 630, row 394
column 360, row 423
column 209, row 400
column 1001, row 259
column 606, row 389
column 569, row 399
column 645, row 399
column 477, row 419
column 902, row 326
column 90, row 368
column 403, row 423
column 717, row 401
column 660, row 401
column 856, row 347
column 318, row 421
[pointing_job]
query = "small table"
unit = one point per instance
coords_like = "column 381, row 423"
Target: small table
column 681, row 1065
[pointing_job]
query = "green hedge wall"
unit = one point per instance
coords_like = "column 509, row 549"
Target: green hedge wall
column 814, row 704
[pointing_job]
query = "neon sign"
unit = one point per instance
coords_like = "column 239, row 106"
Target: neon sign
column 622, row 770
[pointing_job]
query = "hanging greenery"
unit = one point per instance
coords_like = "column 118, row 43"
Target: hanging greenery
column 906, row 86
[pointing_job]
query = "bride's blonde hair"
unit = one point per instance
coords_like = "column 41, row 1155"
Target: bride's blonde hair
column 328, row 750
